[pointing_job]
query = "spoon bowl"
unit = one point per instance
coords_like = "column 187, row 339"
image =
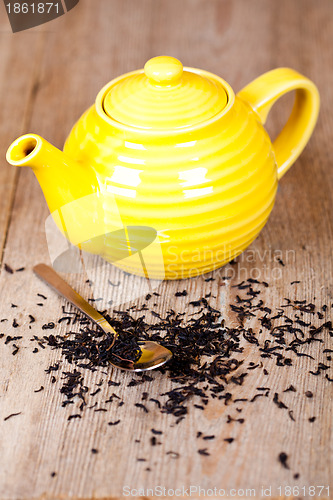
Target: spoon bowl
column 153, row 355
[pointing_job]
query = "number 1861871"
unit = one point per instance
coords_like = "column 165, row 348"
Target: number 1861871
column 33, row 8
column 311, row 491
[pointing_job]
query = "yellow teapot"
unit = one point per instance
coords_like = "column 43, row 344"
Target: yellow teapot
column 170, row 165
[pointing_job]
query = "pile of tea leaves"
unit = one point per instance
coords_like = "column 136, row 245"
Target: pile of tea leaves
column 209, row 356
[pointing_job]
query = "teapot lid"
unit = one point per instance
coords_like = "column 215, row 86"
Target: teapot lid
column 164, row 96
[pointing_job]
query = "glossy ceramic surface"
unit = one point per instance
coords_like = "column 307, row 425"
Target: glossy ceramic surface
column 173, row 153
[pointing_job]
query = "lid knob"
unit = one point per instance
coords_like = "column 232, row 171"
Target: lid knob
column 163, row 70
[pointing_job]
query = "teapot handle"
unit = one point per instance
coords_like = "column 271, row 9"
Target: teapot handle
column 265, row 90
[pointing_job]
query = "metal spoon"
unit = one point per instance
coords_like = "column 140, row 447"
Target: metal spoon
column 153, row 354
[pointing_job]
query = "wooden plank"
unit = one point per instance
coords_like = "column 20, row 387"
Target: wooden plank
column 20, row 56
column 239, row 41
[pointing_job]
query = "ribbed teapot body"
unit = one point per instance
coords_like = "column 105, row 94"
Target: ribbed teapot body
column 204, row 191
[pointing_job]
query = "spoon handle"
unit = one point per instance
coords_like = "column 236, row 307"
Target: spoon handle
column 47, row 274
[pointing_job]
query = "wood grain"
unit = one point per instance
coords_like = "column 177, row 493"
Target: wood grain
column 48, row 77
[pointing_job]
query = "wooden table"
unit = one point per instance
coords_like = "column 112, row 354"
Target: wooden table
column 48, row 76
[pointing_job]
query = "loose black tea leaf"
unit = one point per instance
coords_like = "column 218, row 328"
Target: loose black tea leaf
column 279, row 403
column 115, row 384
column 291, row 415
column 203, row 452
column 283, row 457
column 48, row 326
column 256, row 396
column 143, row 407
column 71, row 417
column 114, row 423
column 96, row 392
column 16, row 350
column 8, row 269
column 291, row 388
column 11, row 415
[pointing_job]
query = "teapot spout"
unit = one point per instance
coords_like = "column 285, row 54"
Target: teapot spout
column 61, row 178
